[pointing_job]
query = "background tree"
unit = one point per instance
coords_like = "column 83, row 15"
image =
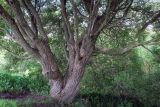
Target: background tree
column 83, row 23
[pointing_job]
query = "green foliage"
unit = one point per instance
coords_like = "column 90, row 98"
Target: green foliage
column 13, row 84
column 144, row 87
column 149, row 89
column 140, row 80
column 2, row 26
column 22, row 84
column 37, row 83
column 135, row 74
column 8, row 103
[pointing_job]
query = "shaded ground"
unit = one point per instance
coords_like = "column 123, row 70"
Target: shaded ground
column 87, row 100
column 22, row 96
column 28, row 99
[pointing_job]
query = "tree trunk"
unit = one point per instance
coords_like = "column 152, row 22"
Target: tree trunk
column 63, row 89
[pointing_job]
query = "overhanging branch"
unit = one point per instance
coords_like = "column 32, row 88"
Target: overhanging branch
column 24, row 27
column 120, row 51
column 17, row 34
column 152, row 20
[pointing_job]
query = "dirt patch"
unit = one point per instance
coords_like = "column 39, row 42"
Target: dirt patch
column 13, row 95
column 23, row 96
column 28, row 99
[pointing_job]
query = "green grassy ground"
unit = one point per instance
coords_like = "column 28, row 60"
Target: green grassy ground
column 8, row 103
column 25, row 103
column 33, row 103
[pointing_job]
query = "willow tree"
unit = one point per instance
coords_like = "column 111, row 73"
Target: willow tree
column 83, row 22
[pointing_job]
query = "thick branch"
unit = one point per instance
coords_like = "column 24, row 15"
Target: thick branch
column 17, row 34
column 66, row 21
column 37, row 18
column 69, row 36
column 88, row 5
column 32, row 18
column 152, row 20
column 116, row 51
column 14, row 4
column 120, row 51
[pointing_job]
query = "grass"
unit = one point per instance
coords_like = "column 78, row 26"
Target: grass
column 8, row 103
column 29, row 102
column 35, row 103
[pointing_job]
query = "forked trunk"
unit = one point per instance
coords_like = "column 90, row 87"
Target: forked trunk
column 63, row 89
column 69, row 87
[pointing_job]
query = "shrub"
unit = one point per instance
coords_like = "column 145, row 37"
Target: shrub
column 37, row 83
column 15, row 84
column 21, row 84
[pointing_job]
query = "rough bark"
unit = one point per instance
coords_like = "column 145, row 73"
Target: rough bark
column 68, row 88
column 63, row 89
